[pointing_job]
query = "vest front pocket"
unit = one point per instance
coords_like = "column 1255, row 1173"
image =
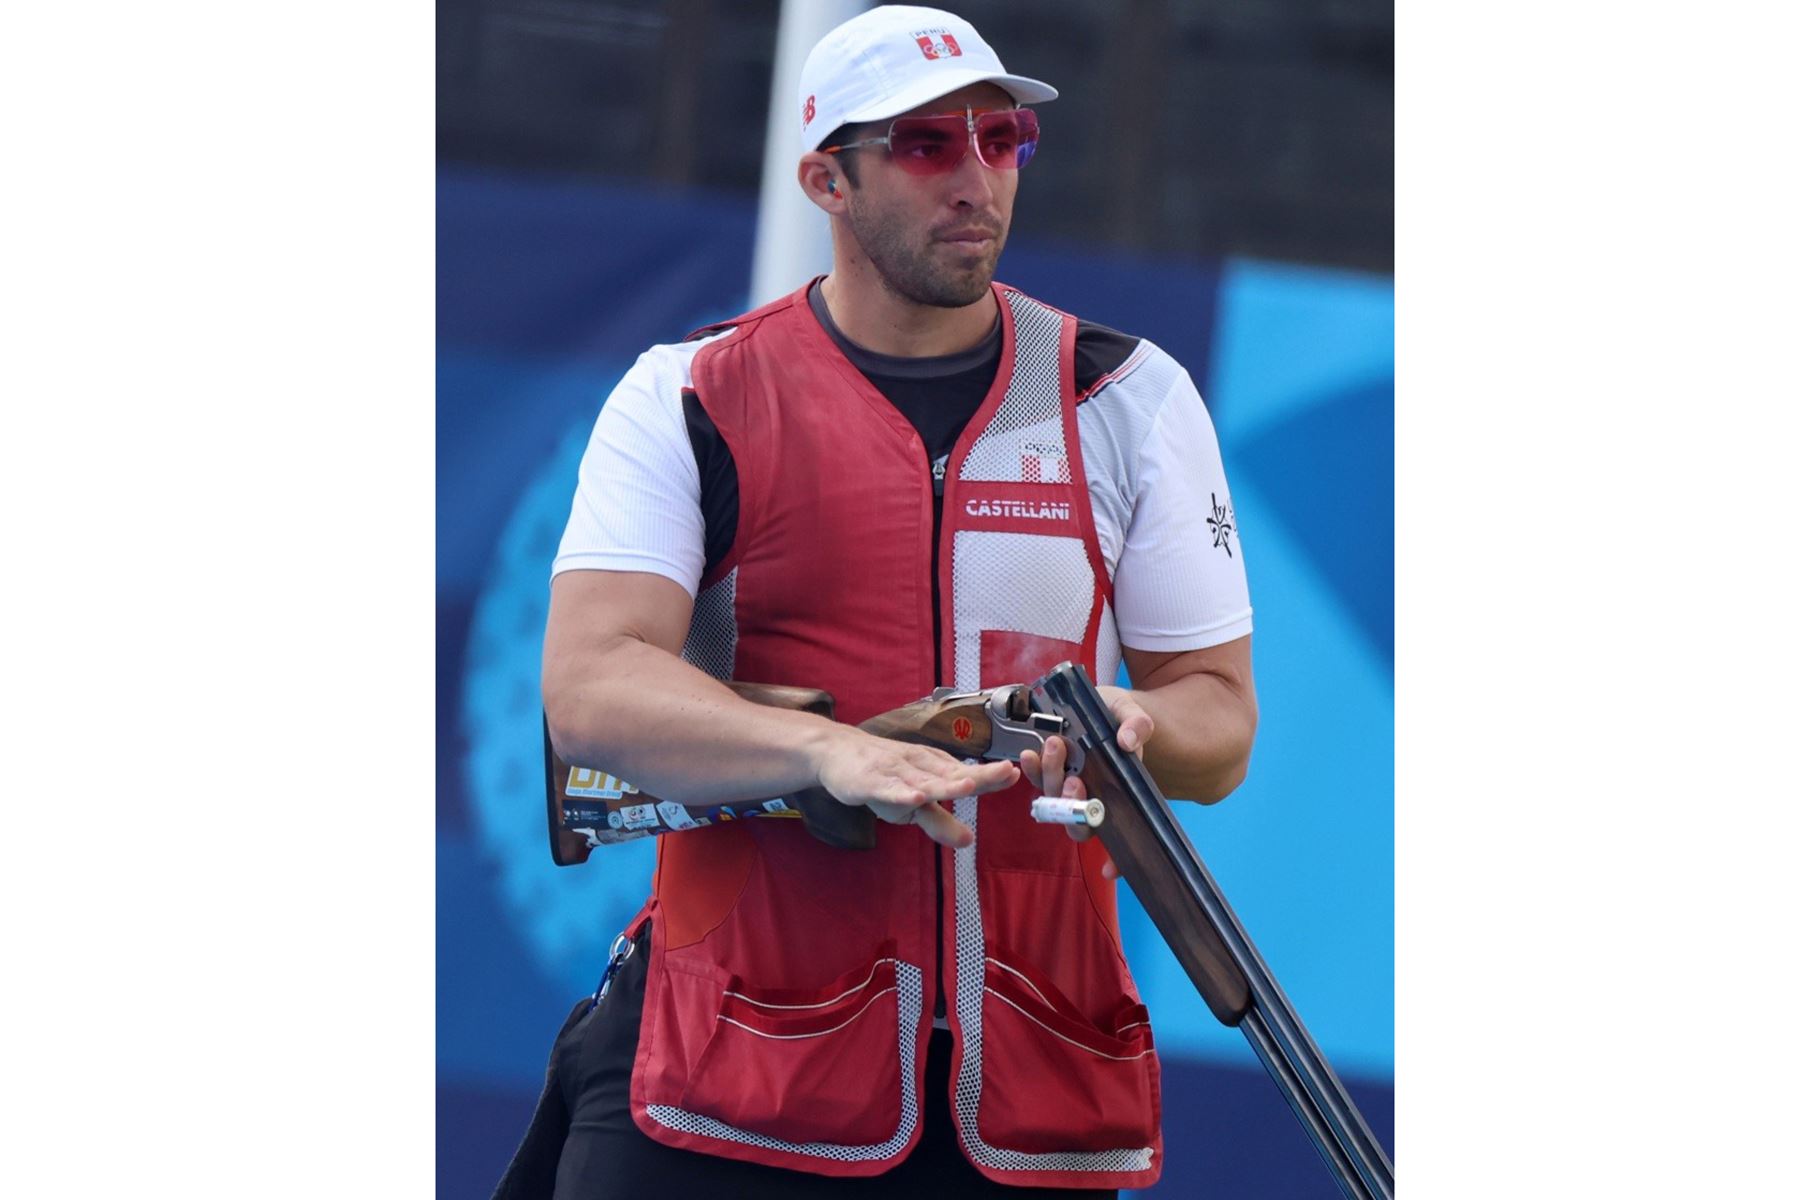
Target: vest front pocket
column 811, row 1065
column 1053, row 1080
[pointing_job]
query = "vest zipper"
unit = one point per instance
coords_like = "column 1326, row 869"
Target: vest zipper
column 938, row 1007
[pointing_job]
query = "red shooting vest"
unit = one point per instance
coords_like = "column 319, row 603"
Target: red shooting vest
column 791, row 986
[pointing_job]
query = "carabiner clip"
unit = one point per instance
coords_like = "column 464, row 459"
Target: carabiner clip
column 621, row 950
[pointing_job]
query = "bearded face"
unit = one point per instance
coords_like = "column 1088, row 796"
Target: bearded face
column 946, row 263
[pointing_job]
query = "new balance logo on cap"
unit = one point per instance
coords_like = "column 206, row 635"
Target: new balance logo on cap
column 943, row 47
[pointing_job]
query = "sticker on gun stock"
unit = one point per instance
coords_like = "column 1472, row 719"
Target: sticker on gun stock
column 598, row 785
column 675, row 815
column 639, row 816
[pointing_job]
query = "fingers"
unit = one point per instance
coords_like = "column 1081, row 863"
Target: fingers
column 993, row 777
column 937, row 824
column 1135, row 725
column 1136, row 732
column 903, row 774
column 914, row 785
column 943, row 828
column 958, row 780
column 1045, row 771
column 1074, row 789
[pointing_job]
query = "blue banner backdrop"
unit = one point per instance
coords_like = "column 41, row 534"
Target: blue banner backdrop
column 548, row 289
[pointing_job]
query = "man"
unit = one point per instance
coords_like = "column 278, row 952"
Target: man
column 900, row 475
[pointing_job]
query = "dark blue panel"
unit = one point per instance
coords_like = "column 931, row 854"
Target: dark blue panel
column 497, row 1012
column 452, row 747
column 477, row 1131
column 1328, row 473
column 1228, row 1133
column 541, row 265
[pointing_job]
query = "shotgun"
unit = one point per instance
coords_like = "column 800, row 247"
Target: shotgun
column 589, row 807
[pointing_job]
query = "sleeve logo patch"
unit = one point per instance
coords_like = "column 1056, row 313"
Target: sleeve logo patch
column 1223, row 523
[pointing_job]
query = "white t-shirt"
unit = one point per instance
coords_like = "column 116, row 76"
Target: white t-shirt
column 1161, row 505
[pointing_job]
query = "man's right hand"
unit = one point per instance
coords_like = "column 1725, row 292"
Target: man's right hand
column 905, row 784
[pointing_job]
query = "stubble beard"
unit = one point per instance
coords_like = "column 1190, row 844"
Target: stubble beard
column 912, row 274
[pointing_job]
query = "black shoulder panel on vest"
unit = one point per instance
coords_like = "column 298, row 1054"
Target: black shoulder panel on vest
column 718, row 480
column 1099, row 352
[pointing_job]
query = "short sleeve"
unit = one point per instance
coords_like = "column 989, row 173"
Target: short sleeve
column 637, row 500
column 1179, row 583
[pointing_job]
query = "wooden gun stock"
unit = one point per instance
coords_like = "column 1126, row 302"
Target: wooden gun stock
column 956, row 724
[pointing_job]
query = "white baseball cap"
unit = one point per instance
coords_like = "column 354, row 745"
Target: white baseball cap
column 894, row 58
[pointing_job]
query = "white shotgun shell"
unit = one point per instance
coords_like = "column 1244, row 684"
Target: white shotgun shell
column 1050, row 810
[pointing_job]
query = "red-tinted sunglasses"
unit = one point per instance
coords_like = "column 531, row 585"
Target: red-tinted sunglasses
column 1004, row 139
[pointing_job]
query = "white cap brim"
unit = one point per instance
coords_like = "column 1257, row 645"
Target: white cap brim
column 943, row 82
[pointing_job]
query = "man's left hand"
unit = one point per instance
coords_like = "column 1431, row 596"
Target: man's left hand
column 1047, row 771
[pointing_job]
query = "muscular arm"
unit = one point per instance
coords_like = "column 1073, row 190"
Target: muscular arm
column 1179, row 582
column 618, row 695
column 1203, row 707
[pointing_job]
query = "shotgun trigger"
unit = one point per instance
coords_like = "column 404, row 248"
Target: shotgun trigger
column 1014, row 735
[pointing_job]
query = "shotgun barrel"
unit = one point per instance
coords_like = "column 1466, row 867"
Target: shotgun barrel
column 1153, row 854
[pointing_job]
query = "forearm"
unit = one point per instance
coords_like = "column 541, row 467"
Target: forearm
column 671, row 730
column 1204, row 729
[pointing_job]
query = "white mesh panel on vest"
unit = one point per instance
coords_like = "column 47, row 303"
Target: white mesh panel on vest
column 1026, row 432
column 971, row 971
column 1020, row 582
column 712, row 632
column 911, row 995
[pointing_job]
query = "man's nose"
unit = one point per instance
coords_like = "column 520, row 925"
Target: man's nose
column 972, row 182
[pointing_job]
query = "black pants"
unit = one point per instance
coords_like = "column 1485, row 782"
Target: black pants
column 583, row 1144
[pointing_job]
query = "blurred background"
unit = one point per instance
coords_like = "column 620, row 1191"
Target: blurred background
column 1217, row 177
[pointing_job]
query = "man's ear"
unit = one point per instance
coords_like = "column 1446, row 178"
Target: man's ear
column 823, row 185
